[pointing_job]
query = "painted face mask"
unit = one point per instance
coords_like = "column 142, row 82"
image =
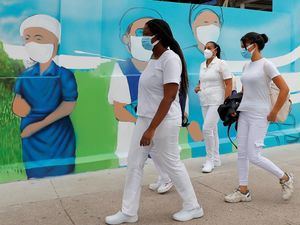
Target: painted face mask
column 208, row 33
column 41, row 53
column 245, row 52
column 137, row 50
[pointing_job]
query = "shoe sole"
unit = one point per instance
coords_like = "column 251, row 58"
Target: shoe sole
column 198, row 216
column 245, row 200
column 165, row 191
column 207, row 171
column 133, row 220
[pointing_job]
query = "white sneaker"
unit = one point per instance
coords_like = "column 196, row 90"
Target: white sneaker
column 120, row 218
column 208, row 167
column 186, row 215
column 154, row 186
column 165, row 187
column 237, row 196
column 217, row 163
column 287, row 187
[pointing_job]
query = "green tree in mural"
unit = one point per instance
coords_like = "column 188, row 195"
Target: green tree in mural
column 10, row 145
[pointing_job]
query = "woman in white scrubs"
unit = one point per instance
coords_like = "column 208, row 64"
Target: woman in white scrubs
column 256, row 112
column 158, row 125
column 215, row 84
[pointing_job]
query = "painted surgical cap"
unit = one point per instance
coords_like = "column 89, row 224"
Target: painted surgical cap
column 42, row 21
column 197, row 9
column 134, row 14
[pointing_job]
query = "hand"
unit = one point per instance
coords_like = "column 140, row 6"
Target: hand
column 147, row 137
column 31, row 129
column 272, row 117
column 197, row 89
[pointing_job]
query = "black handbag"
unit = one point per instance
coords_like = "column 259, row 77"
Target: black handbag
column 228, row 111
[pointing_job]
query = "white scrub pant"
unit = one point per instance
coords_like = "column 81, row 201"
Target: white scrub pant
column 210, row 132
column 165, row 151
column 125, row 132
column 252, row 129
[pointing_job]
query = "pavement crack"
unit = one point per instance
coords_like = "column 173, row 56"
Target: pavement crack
column 62, row 205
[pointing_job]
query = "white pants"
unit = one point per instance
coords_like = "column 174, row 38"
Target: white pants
column 125, row 132
column 252, row 129
column 210, row 132
column 165, row 151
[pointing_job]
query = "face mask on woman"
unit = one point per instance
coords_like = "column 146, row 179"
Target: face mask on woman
column 208, row 53
column 245, row 52
column 147, row 42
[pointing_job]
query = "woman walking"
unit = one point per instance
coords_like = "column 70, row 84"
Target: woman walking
column 158, row 124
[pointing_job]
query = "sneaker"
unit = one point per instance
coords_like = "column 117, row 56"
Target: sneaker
column 237, row 196
column 208, row 167
column 287, row 187
column 154, row 186
column 186, row 215
column 165, row 187
column 120, row 218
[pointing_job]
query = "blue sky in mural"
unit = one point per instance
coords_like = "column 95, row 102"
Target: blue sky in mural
column 94, row 26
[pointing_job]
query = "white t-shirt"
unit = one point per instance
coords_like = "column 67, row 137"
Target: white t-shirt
column 212, row 82
column 166, row 69
column 256, row 79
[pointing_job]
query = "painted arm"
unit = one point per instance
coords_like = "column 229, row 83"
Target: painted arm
column 170, row 92
column 283, row 93
column 64, row 109
column 122, row 114
column 20, row 107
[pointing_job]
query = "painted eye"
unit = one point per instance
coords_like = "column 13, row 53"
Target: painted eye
column 139, row 32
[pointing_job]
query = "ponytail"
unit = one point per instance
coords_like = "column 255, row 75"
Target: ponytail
column 184, row 85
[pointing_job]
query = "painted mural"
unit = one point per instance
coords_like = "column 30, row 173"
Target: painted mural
column 69, row 74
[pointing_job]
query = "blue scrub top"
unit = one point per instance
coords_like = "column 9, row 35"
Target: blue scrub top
column 50, row 151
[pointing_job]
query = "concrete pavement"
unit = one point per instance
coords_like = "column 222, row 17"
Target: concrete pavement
column 85, row 199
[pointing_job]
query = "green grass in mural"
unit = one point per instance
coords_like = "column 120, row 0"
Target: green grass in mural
column 94, row 121
column 11, row 167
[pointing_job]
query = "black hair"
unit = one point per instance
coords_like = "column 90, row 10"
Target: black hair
column 253, row 37
column 163, row 32
column 217, row 47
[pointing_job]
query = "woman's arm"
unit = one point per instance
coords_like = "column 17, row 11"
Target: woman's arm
column 283, row 93
column 20, row 107
column 64, row 109
column 228, row 87
column 170, row 92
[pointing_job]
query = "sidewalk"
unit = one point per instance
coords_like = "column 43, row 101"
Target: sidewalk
column 86, row 199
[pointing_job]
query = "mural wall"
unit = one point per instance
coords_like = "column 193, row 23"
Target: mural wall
column 69, row 74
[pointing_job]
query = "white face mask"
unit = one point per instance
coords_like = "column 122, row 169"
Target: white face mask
column 28, row 63
column 138, row 51
column 208, row 33
column 41, row 53
column 208, row 53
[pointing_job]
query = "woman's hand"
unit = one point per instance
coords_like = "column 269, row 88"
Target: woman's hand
column 31, row 129
column 272, row 117
column 147, row 137
column 197, row 89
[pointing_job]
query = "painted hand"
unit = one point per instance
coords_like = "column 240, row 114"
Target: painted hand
column 31, row 129
column 147, row 137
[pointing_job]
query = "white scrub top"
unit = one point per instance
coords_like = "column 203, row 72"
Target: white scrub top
column 212, row 82
column 166, row 69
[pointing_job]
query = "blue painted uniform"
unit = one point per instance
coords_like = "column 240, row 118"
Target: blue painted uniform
column 50, row 151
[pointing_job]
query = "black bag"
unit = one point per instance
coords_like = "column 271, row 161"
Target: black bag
column 228, row 111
